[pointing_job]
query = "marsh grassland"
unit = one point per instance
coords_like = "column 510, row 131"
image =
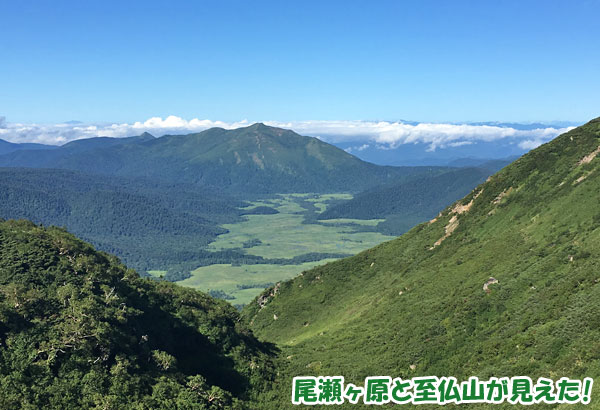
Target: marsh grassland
column 291, row 232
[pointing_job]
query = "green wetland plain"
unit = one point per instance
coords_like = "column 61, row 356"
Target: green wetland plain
column 291, row 232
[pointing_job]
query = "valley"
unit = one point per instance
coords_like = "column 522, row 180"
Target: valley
column 263, row 205
column 229, row 212
column 292, row 232
column 500, row 282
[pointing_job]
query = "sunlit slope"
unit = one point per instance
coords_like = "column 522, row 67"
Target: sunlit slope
column 417, row 305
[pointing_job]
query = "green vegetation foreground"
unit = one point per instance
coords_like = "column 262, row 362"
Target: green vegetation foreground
column 417, row 305
column 79, row 330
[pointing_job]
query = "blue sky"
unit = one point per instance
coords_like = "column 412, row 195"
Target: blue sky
column 437, row 61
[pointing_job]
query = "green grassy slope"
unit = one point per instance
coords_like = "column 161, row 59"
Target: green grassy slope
column 79, row 330
column 416, row 305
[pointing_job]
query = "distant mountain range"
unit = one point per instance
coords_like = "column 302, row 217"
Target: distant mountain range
column 363, row 144
column 8, row 147
column 476, row 152
column 257, row 159
column 157, row 202
column 420, row 153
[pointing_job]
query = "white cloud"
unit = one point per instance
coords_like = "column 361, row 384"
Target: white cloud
column 383, row 134
column 530, row 144
column 435, row 135
column 357, row 148
column 459, row 143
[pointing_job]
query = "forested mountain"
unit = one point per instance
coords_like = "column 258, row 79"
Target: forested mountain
column 157, row 202
column 7, row 147
column 254, row 159
column 74, row 155
column 405, row 204
column 86, row 144
column 78, row 330
column 505, row 282
column 149, row 224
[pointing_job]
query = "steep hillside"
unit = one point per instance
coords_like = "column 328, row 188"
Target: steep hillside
column 418, row 305
column 406, row 204
column 254, row 159
column 79, row 330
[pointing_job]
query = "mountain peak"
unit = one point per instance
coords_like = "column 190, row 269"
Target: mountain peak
column 269, row 130
column 259, row 126
column 256, row 158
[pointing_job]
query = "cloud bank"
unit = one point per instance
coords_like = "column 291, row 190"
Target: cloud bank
column 382, row 133
column 435, row 135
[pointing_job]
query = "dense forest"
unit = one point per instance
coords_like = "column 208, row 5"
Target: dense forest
column 157, row 225
column 79, row 330
column 147, row 223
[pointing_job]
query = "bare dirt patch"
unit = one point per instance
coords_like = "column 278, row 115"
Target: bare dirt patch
column 453, row 222
column 588, row 158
